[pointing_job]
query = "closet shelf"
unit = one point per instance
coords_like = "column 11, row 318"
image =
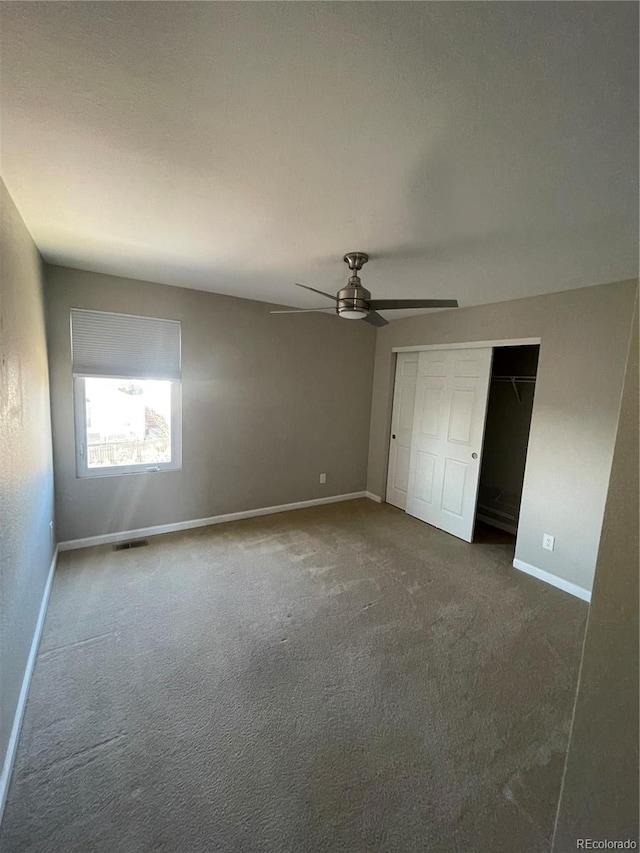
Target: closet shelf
column 499, row 508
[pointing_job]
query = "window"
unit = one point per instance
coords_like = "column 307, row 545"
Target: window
column 127, row 393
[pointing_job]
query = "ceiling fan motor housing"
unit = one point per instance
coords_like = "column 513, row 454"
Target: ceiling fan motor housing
column 353, row 300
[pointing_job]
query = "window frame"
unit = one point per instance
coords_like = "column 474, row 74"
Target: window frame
column 80, row 422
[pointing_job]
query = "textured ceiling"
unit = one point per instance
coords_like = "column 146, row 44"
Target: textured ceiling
column 484, row 151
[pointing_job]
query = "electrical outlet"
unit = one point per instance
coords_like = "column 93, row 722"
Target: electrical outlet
column 548, row 541
column 323, row 478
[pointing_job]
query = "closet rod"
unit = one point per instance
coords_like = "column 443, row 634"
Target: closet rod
column 514, row 380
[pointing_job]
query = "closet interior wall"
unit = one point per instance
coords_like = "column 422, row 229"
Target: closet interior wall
column 506, row 435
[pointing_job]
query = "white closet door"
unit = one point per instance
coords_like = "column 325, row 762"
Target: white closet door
column 401, row 426
column 446, row 443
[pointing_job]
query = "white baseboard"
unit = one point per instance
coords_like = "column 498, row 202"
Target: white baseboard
column 107, row 538
column 10, row 754
column 373, row 497
column 554, row 580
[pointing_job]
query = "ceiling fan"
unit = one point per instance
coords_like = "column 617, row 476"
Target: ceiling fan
column 354, row 301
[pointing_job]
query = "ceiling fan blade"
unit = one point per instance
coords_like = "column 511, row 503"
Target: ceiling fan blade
column 321, row 292
column 376, row 319
column 387, row 304
column 302, row 310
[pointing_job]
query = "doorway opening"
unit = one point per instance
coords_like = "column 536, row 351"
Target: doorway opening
column 506, row 438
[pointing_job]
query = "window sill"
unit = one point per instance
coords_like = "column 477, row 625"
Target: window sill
column 123, row 472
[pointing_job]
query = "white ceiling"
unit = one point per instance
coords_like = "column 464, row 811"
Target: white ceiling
column 483, row 151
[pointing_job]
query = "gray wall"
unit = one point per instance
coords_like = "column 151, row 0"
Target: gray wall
column 600, row 791
column 582, row 361
column 26, row 472
column 269, row 403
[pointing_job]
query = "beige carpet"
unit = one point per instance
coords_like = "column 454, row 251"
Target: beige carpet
column 342, row 678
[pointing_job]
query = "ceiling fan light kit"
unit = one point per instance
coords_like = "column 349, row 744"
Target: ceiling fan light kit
column 354, row 301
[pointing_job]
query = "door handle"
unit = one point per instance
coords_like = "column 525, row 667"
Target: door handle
column 474, row 455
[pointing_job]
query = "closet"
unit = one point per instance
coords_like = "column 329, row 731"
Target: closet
column 506, row 435
column 459, row 434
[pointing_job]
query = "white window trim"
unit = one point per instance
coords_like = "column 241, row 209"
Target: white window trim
column 80, row 415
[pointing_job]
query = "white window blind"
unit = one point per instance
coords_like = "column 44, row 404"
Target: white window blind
column 123, row 345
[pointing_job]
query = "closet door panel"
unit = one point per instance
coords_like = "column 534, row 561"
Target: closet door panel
column 425, row 476
column 431, row 421
column 461, row 418
column 401, row 475
column 448, row 428
column 455, row 474
column 401, row 428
